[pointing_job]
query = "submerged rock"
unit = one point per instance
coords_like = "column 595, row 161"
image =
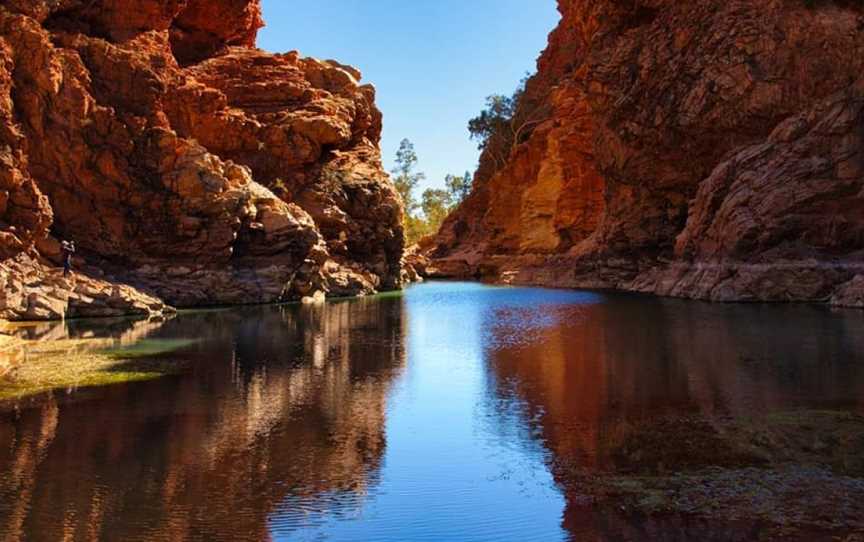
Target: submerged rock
column 795, row 475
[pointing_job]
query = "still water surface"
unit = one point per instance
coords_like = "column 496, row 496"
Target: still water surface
column 445, row 413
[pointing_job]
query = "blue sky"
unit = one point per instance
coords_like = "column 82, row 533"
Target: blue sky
column 433, row 62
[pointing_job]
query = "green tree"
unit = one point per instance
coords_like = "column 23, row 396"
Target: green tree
column 494, row 120
column 404, row 177
column 458, row 187
column 424, row 217
column 436, row 204
column 506, row 122
column 416, row 227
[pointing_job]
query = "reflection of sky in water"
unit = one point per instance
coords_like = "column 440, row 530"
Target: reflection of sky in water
column 452, row 412
column 448, row 473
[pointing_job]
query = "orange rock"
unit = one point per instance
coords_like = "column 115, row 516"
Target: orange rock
column 156, row 136
column 704, row 149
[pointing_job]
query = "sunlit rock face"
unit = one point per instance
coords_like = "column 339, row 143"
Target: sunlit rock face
column 184, row 161
column 707, row 149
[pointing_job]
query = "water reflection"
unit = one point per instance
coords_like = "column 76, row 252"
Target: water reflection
column 456, row 412
column 278, row 401
column 601, row 369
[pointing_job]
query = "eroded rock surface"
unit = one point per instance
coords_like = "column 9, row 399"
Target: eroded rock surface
column 31, row 291
column 706, row 149
column 184, row 162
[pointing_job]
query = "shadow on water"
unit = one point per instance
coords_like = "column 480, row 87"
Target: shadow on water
column 274, row 400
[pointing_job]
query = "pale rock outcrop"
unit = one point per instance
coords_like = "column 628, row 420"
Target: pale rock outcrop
column 30, row 290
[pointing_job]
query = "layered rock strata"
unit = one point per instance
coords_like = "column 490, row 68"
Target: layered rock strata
column 707, row 149
column 184, row 162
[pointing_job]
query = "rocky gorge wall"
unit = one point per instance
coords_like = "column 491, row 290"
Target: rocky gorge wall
column 710, row 149
column 189, row 167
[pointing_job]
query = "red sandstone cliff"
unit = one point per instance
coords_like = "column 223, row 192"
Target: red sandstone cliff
column 183, row 161
column 710, row 149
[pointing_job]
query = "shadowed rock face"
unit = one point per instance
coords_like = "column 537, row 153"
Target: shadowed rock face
column 707, row 149
column 182, row 160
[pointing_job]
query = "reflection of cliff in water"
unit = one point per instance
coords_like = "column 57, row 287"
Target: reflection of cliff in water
column 279, row 405
column 585, row 376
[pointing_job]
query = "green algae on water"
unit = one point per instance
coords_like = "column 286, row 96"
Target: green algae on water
column 147, row 348
column 35, row 367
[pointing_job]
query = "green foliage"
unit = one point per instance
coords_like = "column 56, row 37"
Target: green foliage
column 426, row 216
column 459, row 187
column 436, row 205
column 506, row 122
column 494, row 121
column 416, row 228
column 404, row 177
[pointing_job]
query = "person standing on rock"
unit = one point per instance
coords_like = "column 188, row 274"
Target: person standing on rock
column 68, row 248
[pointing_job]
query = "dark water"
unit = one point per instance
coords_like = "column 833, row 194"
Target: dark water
column 443, row 414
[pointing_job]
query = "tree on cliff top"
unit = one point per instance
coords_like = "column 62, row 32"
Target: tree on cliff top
column 506, row 122
column 494, row 121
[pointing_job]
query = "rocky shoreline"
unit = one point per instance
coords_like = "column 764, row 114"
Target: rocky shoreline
column 838, row 285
